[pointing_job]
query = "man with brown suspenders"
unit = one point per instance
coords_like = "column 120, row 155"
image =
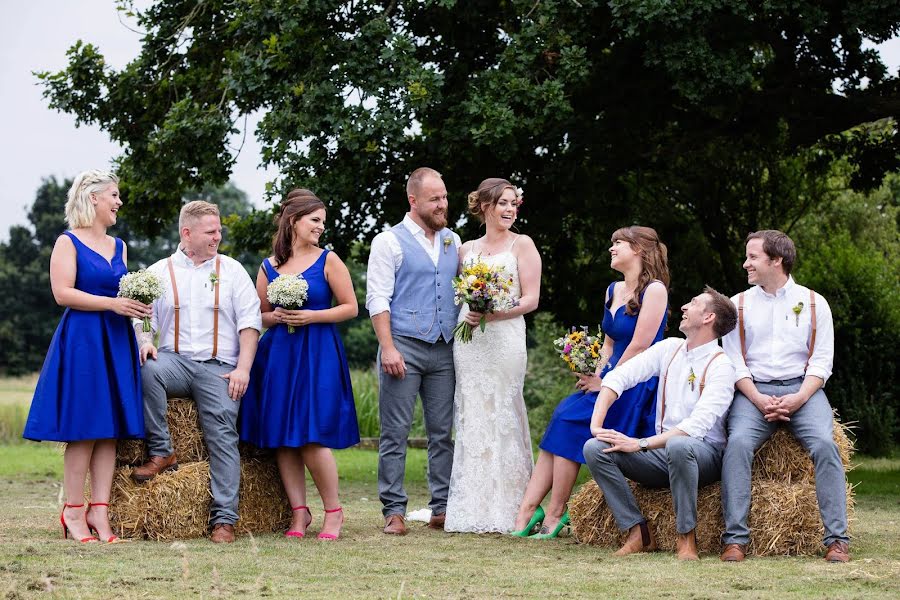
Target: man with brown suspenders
column 209, row 323
column 696, row 389
column 783, row 350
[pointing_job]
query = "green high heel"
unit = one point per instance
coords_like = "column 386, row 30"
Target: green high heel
column 542, row 535
column 536, row 519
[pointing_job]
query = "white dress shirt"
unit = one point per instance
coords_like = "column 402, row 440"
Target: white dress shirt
column 701, row 417
column 385, row 259
column 777, row 339
column 238, row 307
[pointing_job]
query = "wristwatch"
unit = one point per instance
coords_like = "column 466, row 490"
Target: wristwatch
column 644, row 443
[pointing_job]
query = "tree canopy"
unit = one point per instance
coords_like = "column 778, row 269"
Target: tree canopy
column 702, row 118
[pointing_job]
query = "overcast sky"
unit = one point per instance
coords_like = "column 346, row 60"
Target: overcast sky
column 36, row 142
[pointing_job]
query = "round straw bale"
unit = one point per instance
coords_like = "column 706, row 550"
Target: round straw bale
column 784, row 517
column 782, row 458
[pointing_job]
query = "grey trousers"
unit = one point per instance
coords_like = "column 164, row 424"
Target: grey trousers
column 172, row 375
column 813, row 426
column 430, row 374
column 684, row 465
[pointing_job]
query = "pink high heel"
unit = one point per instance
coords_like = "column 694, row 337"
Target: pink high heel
column 299, row 534
column 329, row 536
column 62, row 520
column 112, row 538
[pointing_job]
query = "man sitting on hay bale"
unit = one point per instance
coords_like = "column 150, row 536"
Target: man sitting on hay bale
column 208, row 322
column 696, row 389
column 783, row 350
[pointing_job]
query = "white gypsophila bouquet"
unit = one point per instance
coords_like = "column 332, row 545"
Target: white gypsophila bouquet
column 142, row 286
column 288, row 291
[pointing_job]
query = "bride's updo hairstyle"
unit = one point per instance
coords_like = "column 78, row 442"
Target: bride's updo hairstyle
column 79, row 208
column 654, row 260
column 298, row 203
column 487, row 195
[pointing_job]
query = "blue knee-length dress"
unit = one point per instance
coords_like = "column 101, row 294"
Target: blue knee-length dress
column 633, row 414
column 300, row 391
column 90, row 384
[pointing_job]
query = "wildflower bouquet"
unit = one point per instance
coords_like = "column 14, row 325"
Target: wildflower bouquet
column 580, row 350
column 485, row 289
column 288, row 291
column 142, row 286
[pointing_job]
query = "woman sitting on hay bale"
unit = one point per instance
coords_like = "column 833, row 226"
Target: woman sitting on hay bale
column 696, row 389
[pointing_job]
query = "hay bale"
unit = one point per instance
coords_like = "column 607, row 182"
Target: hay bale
column 784, row 517
column 263, row 505
column 178, row 503
column 782, row 458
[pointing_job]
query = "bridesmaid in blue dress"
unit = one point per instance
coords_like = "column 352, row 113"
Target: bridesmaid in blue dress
column 634, row 318
column 89, row 390
column 300, row 400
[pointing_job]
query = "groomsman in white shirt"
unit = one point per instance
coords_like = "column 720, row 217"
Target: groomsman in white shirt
column 783, row 350
column 209, row 324
column 409, row 297
column 695, row 391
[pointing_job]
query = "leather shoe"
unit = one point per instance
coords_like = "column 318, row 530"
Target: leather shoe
column 222, row 533
column 154, row 466
column 437, row 521
column 395, row 525
column 640, row 539
column 733, row 553
column 838, row 552
column 686, row 546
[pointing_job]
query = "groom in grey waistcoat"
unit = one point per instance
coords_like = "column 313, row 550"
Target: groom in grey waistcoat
column 410, row 300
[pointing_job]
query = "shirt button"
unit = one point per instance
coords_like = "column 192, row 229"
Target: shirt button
column 439, row 299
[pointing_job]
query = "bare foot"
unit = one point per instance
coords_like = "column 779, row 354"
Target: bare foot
column 331, row 528
column 75, row 523
column 98, row 518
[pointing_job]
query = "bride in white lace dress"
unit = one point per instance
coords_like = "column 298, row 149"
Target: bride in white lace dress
column 492, row 458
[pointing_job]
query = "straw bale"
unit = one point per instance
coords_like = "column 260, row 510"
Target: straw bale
column 178, row 503
column 784, row 517
column 263, row 505
column 782, row 458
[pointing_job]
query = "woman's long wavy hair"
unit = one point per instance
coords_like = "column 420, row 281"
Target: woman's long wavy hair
column 654, row 260
column 298, row 203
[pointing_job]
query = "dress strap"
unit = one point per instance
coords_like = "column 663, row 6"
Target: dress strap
column 271, row 273
column 513, row 243
column 120, row 246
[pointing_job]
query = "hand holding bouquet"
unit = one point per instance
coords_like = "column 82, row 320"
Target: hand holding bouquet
column 288, row 291
column 143, row 286
column 580, row 350
column 485, row 289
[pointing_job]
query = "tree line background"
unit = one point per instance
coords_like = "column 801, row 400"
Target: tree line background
column 705, row 120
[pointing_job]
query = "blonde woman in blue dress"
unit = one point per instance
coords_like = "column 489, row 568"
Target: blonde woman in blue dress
column 492, row 458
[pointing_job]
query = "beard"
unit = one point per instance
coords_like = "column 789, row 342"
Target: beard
column 435, row 222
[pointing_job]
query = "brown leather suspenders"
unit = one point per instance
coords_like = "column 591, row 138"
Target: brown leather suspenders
column 666, row 379
column 215, row 305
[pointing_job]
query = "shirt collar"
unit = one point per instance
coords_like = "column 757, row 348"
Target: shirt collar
column 412, row 225
column 701, row 351
column 780, row 292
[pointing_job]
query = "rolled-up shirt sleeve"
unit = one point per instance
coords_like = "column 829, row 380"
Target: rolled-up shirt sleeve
column 731, row 344
column 380, row 274
column 246, row 301
column 718, row 392
column 822, row 360
column 641, row 367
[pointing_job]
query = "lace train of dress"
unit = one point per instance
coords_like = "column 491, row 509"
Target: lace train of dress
column 492, row 459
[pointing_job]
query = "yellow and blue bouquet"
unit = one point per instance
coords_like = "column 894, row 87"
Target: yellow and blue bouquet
column 580, row 350
column 486, row 289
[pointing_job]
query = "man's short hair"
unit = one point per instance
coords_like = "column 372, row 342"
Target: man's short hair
column 414, row 183
column 777, row 244
column 193, row 211
column 721, row 306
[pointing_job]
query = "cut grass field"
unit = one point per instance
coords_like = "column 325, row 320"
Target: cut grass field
column 35, row 562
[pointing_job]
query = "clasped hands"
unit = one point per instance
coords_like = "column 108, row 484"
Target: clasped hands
column 620, row 442
column 295, row 318
column 779, row 408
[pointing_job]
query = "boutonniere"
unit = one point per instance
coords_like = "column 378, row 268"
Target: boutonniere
column 797, row 310
column 213, row 279
column 447, row 241
column 692, row 378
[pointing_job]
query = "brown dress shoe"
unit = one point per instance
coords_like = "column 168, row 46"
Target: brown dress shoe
column 222, row 533
column 838, row 552
column 437, row 521
column 640, row 539
column 395, row 525
column 686, row 546
column 154, row 466
column 733, row 553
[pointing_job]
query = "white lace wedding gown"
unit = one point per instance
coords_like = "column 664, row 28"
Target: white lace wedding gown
column 492, row 458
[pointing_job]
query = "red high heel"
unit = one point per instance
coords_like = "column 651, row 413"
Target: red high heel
column 62, row 520
column 299, row 534
column 112, row 538
column 329, row 536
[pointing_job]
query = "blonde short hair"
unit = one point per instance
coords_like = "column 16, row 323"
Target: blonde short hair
column 192, row 211
column 79, row 208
